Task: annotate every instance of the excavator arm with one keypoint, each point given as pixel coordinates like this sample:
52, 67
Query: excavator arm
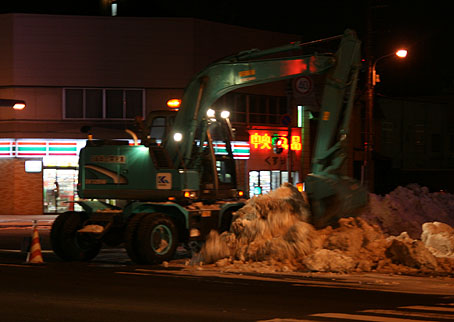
242, 70
331, 195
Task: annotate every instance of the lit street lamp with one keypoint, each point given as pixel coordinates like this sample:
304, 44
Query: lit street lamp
15, 104
401, 53
372, 79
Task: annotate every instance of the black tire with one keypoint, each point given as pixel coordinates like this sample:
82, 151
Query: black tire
226, 221
67, 243
157, 238
227, 218
130, 237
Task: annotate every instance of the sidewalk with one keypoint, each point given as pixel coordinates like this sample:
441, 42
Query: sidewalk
26, 220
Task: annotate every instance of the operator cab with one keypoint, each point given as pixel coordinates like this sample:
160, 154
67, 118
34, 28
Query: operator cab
156, 127
218, 171
211, 153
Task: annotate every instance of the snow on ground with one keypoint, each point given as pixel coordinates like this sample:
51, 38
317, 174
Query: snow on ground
408, 231
408, 208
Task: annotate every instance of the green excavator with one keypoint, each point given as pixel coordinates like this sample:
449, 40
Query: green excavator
175, 189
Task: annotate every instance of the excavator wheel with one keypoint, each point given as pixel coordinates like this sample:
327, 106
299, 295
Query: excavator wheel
67, 243
130, 238
226, 221
157, 238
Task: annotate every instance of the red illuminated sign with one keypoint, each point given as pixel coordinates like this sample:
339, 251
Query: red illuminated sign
264, 142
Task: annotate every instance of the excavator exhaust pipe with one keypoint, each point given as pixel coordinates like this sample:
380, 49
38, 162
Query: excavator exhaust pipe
333, 197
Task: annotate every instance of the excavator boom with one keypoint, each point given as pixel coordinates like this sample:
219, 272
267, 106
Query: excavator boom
331, 195
242, 70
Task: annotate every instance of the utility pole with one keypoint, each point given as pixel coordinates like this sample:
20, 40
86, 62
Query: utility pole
367, 171
289, 131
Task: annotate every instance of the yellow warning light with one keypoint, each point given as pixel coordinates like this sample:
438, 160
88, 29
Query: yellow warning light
240, 193
174, 103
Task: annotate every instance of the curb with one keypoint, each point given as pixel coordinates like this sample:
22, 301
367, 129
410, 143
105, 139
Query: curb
25, 221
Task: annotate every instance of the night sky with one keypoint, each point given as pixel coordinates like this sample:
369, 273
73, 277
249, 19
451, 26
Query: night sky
426, 28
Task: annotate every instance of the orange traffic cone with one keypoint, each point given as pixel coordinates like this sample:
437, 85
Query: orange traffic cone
34, 255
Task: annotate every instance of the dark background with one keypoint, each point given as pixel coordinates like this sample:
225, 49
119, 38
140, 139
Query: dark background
425, 28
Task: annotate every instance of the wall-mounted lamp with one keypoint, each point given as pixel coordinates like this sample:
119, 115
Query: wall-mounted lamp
16, 104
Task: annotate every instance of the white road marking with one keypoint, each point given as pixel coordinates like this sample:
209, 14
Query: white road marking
428, 308
414, 311
133, 273
19, 251
412, 314
360, 317
21, 265
286, 320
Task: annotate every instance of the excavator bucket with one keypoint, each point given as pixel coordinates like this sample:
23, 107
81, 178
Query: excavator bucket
333, 197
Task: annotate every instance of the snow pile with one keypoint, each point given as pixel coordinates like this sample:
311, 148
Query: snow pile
438, 238
271, 233
408, 208
269, 228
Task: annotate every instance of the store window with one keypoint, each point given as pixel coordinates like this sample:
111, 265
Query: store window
59, 190
262, 182
103, 103
60, 176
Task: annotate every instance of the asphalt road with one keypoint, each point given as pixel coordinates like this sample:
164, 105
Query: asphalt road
86, 292
111, 288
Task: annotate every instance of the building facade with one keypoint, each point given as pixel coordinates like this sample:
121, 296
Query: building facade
415, 142
82, 74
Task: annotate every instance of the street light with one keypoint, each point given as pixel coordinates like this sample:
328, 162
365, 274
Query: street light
15, 104
401, 53
372, 79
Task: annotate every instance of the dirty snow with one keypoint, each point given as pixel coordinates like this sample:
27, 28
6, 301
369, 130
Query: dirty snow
408, 208
408, 231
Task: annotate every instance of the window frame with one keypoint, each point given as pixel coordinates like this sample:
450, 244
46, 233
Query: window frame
243, 108
104, 110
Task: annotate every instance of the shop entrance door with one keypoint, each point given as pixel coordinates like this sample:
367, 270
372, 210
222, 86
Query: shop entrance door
60, 189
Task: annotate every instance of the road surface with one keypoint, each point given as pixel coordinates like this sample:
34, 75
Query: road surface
112, 288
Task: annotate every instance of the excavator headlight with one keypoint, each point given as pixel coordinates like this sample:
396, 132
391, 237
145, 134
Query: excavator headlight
225, 114
211, 113
178, 137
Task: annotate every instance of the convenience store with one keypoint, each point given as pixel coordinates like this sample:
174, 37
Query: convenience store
43, 173
48, 168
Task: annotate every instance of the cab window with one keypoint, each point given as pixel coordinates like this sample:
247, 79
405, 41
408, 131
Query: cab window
158, 129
